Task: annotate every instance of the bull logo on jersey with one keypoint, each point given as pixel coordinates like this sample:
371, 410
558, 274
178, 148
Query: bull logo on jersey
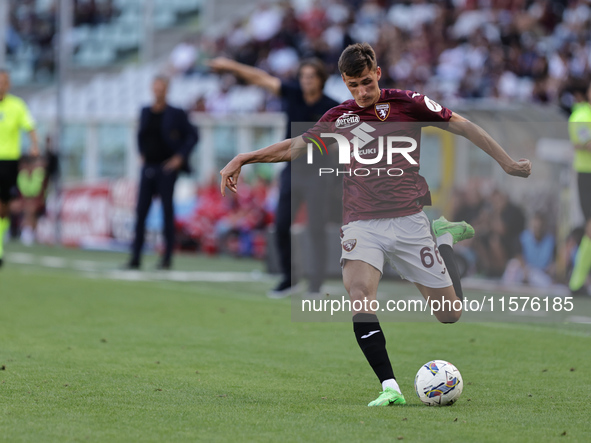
382, 110
349, 245
347, 120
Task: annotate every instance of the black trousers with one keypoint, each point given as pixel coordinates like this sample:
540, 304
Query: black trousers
8, 177
292, 193
584, 181
154, 181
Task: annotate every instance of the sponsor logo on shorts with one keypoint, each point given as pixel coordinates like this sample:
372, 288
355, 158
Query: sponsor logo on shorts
349, 245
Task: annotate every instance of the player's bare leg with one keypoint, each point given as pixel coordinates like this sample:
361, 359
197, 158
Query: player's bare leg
442, 301
361, 282
447, 234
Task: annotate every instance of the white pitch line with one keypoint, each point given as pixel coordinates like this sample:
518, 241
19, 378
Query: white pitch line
52, 262
95, 269
579, 319
21, 258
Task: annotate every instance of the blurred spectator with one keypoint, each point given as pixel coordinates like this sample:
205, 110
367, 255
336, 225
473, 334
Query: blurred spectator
93, 12
534, 264
236, 225
498, 229
219, 102
468, 204
182, 58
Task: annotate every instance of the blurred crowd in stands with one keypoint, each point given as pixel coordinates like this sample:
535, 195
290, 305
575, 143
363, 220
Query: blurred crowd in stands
524, 50
512, 50
509, 243
32, 27
235, 225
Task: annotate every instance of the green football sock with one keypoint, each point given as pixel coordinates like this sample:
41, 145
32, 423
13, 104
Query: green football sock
582, 265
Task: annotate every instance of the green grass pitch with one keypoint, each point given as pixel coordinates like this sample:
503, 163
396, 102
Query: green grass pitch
86, 358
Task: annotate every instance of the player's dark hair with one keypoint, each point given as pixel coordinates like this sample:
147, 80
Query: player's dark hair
357, 58
318, 67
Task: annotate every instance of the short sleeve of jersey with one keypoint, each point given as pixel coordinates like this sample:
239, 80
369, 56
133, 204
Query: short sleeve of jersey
26, 121
423, 109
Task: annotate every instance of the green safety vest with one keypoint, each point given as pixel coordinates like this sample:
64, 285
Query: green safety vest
579, 129
14, 118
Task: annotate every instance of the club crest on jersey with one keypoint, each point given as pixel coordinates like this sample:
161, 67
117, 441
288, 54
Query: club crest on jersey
349, 245
382, 110
347, 120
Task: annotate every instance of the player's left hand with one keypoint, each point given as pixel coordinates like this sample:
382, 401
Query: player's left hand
35, 151
520, 168
174, 163
230, 175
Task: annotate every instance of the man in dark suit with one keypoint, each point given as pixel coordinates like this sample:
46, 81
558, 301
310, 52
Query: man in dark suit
165, 140
303, 101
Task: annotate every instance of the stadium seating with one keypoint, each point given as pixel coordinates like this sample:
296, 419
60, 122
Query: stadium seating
96, 45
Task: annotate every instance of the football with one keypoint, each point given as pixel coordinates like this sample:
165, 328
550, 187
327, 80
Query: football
438, 383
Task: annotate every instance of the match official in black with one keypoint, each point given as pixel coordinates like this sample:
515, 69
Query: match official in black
166, 140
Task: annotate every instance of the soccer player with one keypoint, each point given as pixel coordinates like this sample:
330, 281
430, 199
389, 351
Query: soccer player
302, 102
14, 117
382, 216
580, 135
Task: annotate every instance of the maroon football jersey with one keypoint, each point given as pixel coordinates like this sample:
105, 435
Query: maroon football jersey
389, 186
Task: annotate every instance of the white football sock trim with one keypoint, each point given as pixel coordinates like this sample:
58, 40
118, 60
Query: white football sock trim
391, 383
445, 239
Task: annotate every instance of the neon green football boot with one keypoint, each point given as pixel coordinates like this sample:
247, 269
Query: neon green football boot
458, 230
388, 397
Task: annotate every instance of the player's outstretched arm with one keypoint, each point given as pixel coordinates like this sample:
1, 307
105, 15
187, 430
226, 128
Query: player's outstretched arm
251, 75
284, 151
464, 127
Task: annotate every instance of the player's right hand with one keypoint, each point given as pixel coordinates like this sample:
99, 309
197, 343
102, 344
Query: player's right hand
230, 175
520, 168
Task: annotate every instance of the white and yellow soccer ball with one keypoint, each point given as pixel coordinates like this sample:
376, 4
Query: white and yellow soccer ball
438, 383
